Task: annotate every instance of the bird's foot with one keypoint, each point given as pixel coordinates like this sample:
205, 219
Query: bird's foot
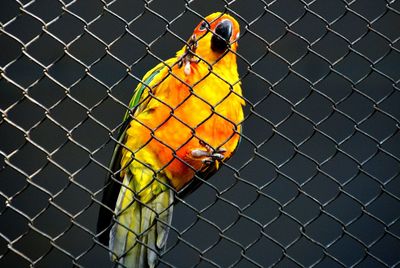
208, 155
189, 56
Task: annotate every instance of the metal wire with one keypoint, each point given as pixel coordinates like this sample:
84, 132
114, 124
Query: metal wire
315, 181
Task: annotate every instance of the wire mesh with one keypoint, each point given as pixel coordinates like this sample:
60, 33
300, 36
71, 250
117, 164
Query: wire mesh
315, 181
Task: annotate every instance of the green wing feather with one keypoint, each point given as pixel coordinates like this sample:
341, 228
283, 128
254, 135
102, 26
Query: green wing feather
139, 96
113, 184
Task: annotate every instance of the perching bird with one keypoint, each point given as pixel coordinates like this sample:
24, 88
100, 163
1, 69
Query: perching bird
185, 120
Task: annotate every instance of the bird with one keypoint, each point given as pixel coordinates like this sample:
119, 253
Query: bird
184, 120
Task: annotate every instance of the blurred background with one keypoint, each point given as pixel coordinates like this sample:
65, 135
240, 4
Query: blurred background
315, 181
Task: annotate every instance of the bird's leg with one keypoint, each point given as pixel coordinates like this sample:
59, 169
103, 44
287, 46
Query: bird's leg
208, 155
189, 56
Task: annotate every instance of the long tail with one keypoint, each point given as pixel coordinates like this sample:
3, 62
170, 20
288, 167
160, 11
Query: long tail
141, 225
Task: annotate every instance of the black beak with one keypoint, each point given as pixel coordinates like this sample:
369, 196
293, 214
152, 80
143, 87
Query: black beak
220, 40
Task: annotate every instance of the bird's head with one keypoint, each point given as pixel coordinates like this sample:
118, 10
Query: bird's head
214, 38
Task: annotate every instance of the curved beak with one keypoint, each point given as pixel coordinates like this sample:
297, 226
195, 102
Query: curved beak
221, 38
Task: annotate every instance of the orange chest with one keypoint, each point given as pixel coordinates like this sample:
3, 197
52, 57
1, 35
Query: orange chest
196, 119
184, 129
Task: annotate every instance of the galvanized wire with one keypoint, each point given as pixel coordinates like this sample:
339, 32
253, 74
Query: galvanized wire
315, 181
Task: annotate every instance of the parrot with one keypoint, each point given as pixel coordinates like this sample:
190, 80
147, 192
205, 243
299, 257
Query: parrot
184, 120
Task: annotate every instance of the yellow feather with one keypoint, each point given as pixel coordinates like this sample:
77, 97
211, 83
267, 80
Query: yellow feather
188, 102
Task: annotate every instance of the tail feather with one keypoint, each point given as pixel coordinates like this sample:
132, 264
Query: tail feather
140, 230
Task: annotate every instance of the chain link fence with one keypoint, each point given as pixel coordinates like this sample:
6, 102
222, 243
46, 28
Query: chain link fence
316, 178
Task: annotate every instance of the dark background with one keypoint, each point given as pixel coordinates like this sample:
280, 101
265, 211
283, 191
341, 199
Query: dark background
314, 182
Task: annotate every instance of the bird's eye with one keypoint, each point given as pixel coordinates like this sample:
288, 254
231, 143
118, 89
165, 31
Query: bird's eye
203, 26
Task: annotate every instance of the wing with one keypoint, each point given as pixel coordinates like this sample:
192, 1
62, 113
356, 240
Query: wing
113, 184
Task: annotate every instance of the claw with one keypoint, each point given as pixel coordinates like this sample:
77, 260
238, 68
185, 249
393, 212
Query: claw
207, 161
208, 147
221, 150
217, 156
209, 155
